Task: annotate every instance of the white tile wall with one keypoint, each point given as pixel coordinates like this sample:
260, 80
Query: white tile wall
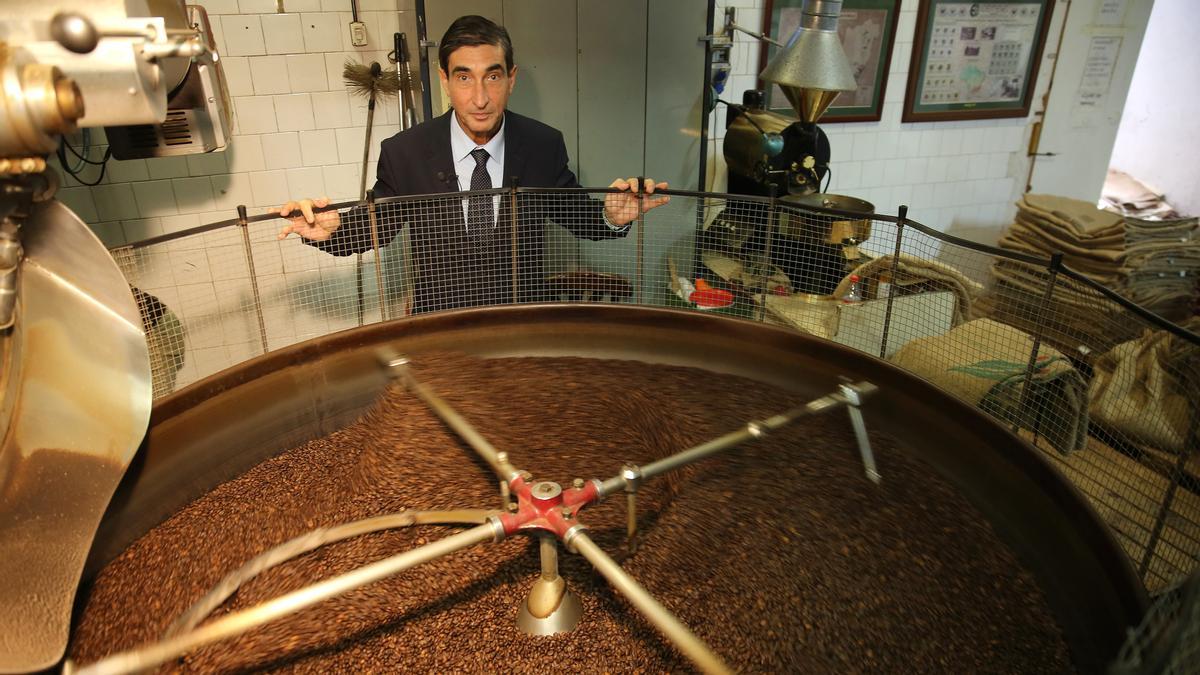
270, 74
322, 32
294, 112
207, 164
281, 151
306, 72
237, 75
167, 167
269, 188
331, 109
243, 35
951, 174
155, 198
255, 114
126, 171
281, 33
231, 190
318, 147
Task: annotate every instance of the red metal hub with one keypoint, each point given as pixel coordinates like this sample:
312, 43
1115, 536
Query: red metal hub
546, 506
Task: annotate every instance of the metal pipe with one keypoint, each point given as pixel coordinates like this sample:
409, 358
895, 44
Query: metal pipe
772, 214
311, 541
240, 622
371, 219
752, 34
495, 459
860, 432
641, 236
631, 520
512, 213
662, 619
887, 313
548, 548
752, 430
258, 311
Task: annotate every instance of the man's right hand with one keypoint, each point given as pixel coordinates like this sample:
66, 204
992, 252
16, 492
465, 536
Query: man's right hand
304, 221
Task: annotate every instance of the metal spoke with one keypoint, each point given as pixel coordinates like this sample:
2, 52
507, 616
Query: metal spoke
671, 628
752, 430
497, 460
240, 622
311, 541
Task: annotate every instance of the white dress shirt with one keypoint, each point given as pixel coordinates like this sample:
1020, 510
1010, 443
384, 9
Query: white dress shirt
461, 147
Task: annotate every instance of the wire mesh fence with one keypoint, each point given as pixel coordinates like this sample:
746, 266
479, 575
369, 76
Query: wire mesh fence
1104, 388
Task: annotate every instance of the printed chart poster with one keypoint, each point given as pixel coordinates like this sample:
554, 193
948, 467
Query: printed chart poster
977, 56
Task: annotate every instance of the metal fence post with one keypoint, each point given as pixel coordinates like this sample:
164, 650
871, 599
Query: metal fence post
358, 283
512, 218
766, 261
641, 235
1053, 268
371, 218
902, 213
244, 226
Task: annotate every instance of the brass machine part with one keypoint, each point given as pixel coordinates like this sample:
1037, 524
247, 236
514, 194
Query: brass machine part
39, 103
22, 165
829, 229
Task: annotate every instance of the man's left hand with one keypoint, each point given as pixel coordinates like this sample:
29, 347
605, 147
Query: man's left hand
622, 207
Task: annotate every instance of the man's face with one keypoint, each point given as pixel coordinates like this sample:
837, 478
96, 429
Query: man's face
479, 87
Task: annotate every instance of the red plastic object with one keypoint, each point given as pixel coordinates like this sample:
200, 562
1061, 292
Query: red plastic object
712, 298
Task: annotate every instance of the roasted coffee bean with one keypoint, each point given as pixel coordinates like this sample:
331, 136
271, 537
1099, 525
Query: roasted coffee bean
779, 554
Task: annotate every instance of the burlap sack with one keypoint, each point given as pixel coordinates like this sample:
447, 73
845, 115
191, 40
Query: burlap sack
1139, 389
983, 362
1083, 217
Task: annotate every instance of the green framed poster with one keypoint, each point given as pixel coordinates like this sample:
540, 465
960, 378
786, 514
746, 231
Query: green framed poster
867, 30
975, 59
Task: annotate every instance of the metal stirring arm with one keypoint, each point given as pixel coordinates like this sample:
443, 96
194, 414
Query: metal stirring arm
239, 622
628, 480
311, 541
672, 628
498, 461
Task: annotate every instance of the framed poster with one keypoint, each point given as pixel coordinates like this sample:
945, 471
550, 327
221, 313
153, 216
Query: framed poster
867, 29
975, 59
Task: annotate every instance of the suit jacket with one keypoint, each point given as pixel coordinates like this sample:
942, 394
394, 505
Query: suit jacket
453, 268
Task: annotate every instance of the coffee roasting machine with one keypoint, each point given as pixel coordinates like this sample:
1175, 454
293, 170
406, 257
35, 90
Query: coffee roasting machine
76, 394
773, 155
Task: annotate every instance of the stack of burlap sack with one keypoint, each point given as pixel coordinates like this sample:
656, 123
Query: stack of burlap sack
1162, 260
1099, 364
1092, 243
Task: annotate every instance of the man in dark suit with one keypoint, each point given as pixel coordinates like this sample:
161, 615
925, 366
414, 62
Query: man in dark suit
470, 251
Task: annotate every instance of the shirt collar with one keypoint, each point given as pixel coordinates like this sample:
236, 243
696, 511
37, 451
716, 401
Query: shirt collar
461, 145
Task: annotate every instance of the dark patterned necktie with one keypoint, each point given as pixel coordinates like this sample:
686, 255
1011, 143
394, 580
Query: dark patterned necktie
479, 207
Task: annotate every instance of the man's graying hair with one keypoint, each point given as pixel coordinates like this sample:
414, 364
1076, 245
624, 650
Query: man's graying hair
472, 31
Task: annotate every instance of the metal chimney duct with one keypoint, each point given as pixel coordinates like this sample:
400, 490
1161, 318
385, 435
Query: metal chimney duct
812, 69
